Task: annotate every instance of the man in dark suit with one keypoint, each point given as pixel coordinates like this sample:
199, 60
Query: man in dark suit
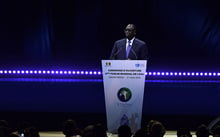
129, 48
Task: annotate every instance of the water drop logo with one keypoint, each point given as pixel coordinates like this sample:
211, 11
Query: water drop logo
124, 94
137, 65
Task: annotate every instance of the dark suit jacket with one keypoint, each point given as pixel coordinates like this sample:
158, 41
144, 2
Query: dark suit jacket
139, 50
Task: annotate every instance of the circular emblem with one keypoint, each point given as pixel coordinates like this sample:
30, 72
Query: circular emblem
124, 94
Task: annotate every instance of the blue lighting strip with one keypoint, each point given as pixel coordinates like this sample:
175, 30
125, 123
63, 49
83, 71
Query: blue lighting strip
100, 80
48, 72
183, 74
98, 73
48, 80
96, 76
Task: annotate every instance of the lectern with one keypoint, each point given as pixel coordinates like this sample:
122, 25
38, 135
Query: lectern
124, 82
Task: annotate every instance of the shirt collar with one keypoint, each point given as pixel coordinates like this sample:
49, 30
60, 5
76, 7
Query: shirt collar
131, 41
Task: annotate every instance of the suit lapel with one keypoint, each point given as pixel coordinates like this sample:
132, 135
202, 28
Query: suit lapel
133, 49
124, 49
134, 43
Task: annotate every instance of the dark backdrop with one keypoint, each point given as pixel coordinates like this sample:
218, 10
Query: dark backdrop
181, 34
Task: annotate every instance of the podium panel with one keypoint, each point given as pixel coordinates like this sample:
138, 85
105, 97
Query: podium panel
124, 90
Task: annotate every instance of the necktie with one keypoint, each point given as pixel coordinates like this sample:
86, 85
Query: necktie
128, 49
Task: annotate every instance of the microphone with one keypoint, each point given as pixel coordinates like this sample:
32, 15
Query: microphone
134, 53
116, 53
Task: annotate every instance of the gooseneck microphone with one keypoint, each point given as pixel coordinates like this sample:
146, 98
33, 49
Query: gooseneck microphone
134, 53
116, 53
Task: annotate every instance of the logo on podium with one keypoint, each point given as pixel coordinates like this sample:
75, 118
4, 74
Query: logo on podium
124, 94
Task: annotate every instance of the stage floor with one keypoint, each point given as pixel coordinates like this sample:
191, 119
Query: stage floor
60, 134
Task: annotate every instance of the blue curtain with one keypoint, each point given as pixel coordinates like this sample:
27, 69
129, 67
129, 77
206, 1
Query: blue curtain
82, 32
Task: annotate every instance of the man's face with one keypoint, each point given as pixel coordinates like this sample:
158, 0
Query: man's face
130, 31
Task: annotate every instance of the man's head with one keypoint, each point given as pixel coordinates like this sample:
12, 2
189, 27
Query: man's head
130, 31
124, 131
216, 131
